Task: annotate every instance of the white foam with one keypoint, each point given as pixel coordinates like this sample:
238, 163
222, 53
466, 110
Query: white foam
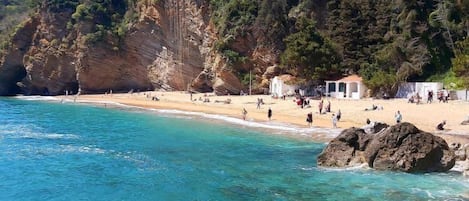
459, 166
81, 149
38, 98
27, 131
362, 166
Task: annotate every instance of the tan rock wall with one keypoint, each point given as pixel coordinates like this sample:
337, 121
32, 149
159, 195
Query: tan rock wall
169, 47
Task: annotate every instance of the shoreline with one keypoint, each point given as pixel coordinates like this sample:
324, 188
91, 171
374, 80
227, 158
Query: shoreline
286, 113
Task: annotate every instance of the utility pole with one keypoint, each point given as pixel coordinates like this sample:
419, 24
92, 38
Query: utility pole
250, 81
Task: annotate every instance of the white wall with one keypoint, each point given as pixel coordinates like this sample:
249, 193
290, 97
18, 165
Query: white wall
423, 87
410, 88
279, 88
461, 95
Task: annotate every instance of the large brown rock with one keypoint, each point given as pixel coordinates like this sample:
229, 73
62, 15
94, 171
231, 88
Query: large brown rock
226, 83
402, 147
12, 69
406, 148
346, 149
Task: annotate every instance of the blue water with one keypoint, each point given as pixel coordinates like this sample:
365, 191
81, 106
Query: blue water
54, 151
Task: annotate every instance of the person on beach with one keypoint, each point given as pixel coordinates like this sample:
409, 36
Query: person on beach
441, 125
320, 106
269, 113
245, 112
444, 95
328, 106
418, 98
398, 117
338, 115
430, 96
309, 119
373, 107
334, 121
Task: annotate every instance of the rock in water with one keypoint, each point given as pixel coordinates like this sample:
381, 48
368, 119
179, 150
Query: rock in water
346, 149
405, 148
402, 147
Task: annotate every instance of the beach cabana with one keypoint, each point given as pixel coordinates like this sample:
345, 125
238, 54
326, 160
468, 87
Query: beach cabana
350, 87
282, 85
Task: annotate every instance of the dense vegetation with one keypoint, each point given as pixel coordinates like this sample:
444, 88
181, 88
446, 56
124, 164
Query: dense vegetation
386, 42
12, 13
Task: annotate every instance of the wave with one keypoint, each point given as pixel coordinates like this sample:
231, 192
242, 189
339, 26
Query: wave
37, 98
141, 161
31, 132
362, 166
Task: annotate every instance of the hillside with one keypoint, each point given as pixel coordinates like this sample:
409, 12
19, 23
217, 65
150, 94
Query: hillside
93, 46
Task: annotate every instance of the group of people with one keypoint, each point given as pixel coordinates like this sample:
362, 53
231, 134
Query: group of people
442, 95
321, 107
309, 116
302, 102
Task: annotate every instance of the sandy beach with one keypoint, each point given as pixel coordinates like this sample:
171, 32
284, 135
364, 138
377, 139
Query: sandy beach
424, 116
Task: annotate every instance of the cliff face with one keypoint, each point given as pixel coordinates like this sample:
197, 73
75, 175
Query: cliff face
169, 47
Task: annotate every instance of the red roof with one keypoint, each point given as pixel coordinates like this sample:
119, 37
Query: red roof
351, 78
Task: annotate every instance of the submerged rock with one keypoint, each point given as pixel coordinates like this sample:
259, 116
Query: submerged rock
402, 147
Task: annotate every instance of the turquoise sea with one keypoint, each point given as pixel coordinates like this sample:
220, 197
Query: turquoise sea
68, 151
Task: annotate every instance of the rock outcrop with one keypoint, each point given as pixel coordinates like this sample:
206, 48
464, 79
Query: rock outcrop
401, 147
345, 150
170, 46
462, 156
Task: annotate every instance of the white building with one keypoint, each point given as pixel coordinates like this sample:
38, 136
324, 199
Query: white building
350, 87
281, 85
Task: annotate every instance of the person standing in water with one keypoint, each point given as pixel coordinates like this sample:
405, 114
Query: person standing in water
269, 113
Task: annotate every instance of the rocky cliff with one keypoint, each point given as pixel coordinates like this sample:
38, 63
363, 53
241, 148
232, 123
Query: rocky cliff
168, 47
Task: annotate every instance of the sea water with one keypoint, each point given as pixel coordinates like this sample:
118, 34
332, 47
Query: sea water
68, 151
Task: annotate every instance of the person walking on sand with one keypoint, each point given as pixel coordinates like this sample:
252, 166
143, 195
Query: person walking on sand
339, 115
328, 106
245, 112
320, 106
309, 119
269, 113
334, 121
398, 117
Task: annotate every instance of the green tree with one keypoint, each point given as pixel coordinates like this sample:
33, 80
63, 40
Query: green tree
461, 62
308, 54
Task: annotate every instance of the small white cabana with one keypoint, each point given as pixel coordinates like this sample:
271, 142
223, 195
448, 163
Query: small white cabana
280, 85
350, 87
